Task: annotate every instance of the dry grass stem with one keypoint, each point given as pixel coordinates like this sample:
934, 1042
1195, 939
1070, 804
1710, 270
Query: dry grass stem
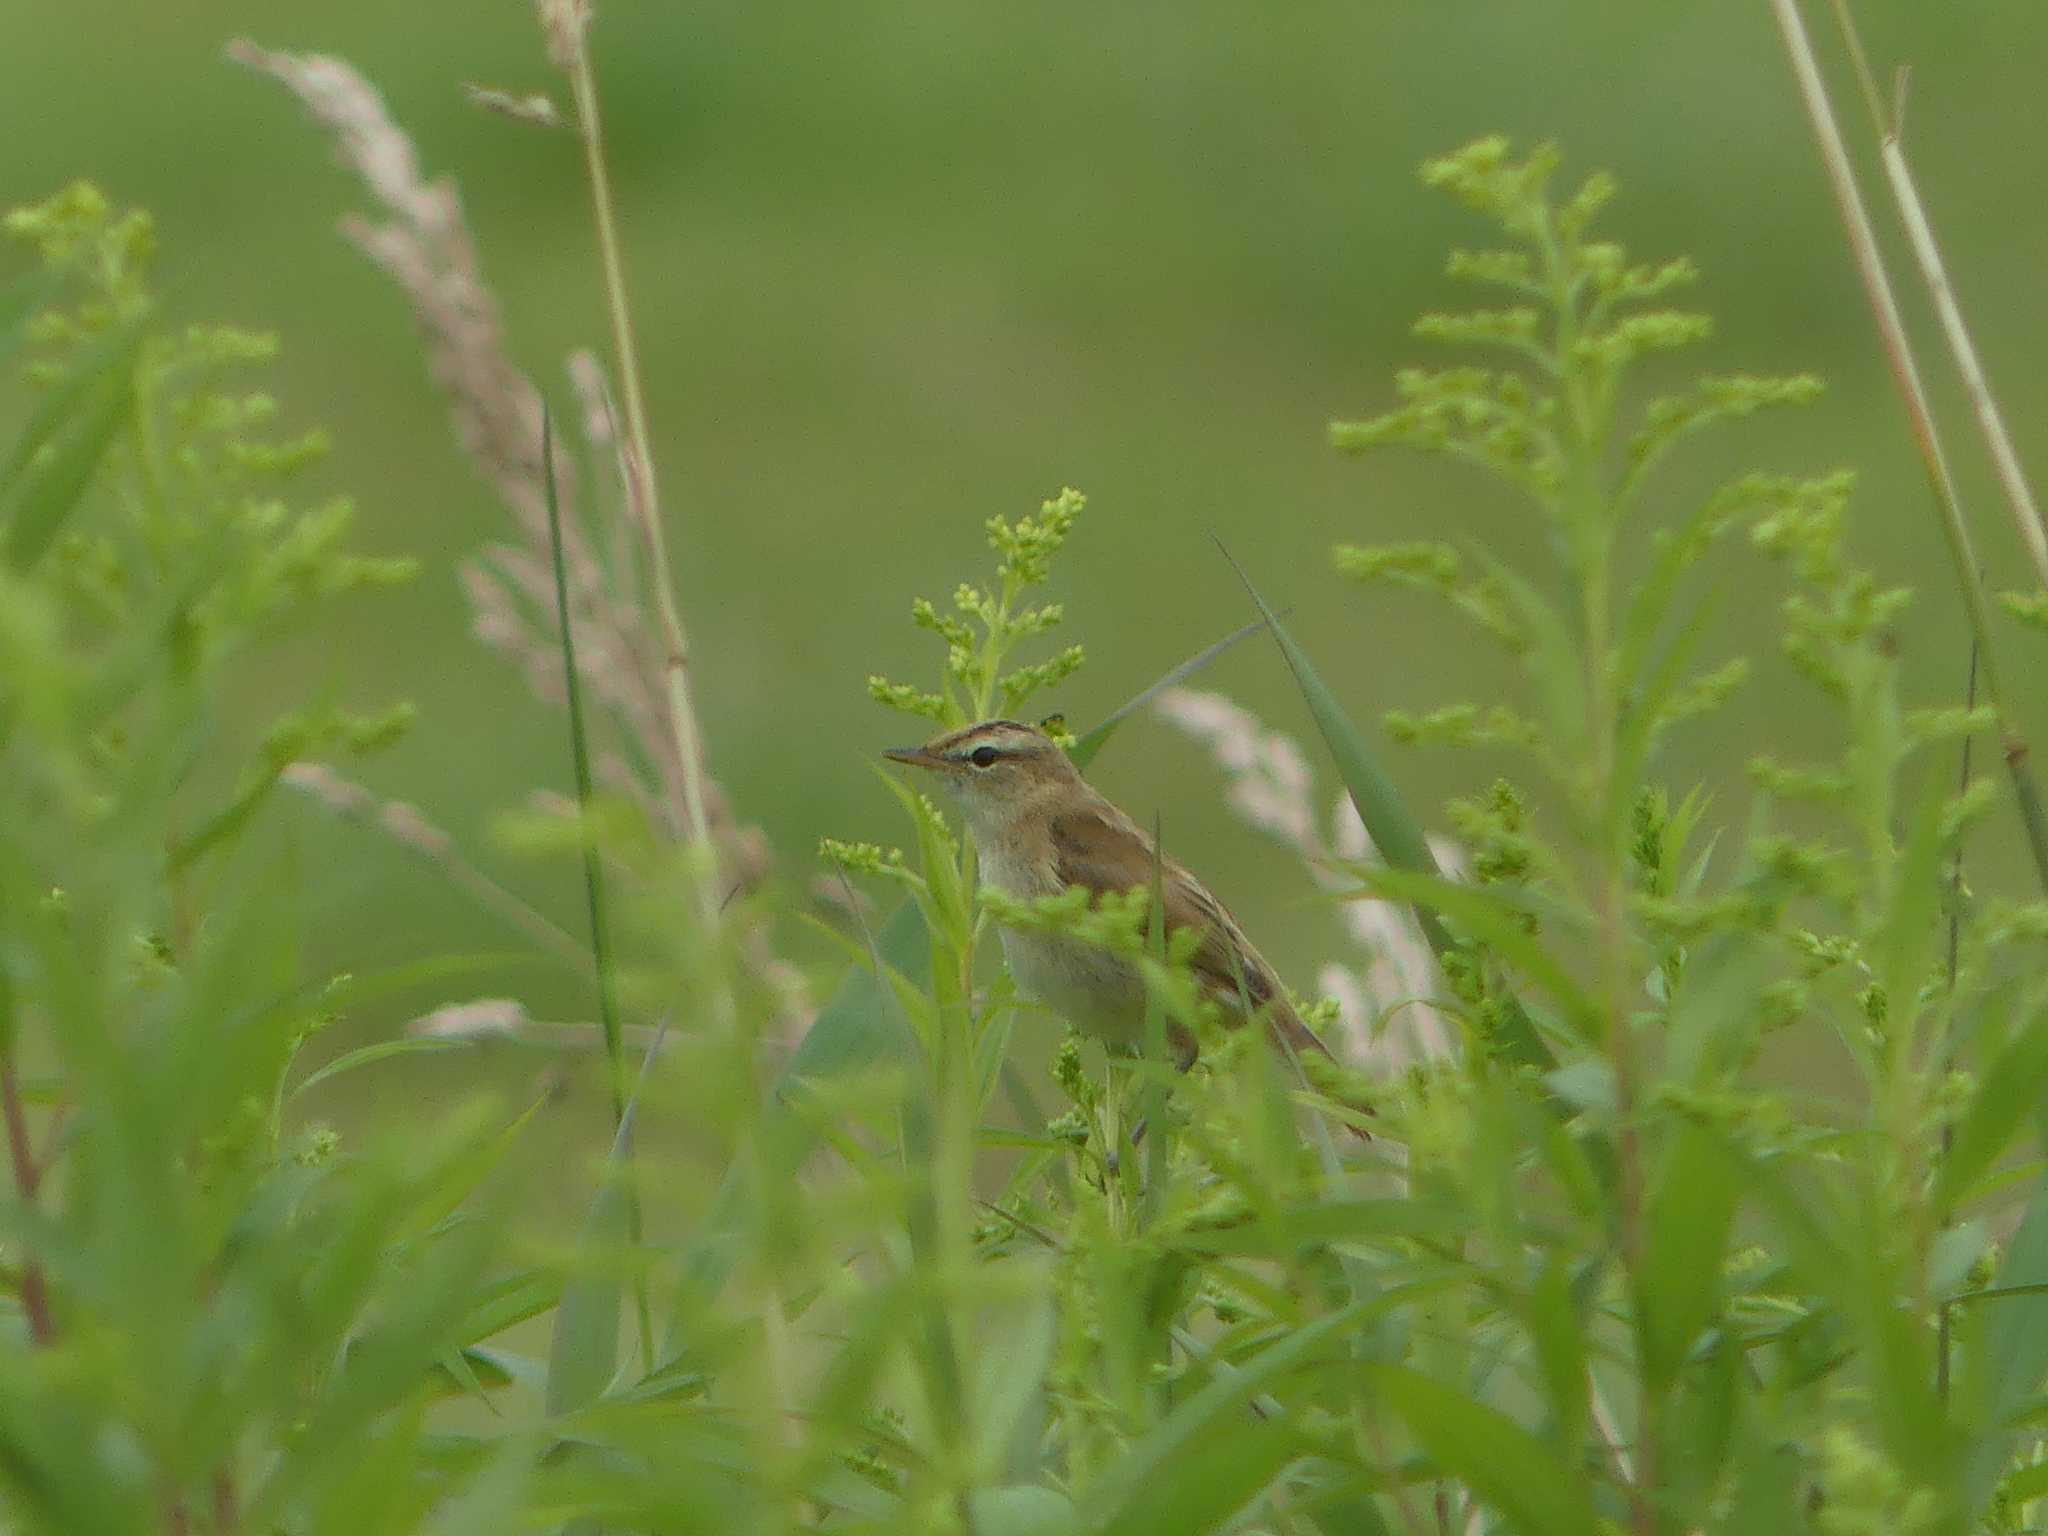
1906, 375
2005, 459
566, 24
633, 667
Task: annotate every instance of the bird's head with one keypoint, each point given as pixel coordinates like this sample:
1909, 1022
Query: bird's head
996, 770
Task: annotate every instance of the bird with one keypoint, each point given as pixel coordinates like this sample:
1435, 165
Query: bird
1040, 829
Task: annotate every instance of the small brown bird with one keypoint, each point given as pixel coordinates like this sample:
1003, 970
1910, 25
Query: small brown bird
1039, 830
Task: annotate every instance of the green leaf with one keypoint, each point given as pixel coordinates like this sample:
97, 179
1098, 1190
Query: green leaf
1197, 1433
106, 365
1497, 927
1500, 1460
1394, 830
1023, 1509
1558, 1332
493, 1502
857, 1030
53, 461
18, 304
2012, 1347
1329, 1221
1552, 659
40, 500
1678, 1283
1216, 1475
584, 1352
1714, 1016
1009, 1379
2011, 1088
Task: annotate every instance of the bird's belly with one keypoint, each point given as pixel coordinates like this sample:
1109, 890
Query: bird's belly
1100, 993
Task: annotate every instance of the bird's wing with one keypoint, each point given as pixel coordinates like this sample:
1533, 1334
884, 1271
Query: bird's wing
1104, 850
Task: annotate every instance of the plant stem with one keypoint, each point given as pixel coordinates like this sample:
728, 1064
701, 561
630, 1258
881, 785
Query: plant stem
1943, 1320
2012, 477
1906, 376
642, 491
28, 1177
1591, 517
593, 867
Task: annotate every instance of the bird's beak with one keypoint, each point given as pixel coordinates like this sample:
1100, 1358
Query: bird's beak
916, 757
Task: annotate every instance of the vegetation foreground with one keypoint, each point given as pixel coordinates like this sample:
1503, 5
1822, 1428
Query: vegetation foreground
1599, 1266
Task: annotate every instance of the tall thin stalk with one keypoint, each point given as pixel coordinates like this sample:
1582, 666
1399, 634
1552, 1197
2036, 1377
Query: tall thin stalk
2005, 459
568, 38
1926, 436
593, 873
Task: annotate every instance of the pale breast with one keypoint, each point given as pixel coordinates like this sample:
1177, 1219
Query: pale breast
1098, 993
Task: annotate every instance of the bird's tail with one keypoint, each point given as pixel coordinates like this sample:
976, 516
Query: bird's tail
1297, 1042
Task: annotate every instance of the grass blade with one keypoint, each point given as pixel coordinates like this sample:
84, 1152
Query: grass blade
584, 1350
1394, 829
383, 1050
593, 873
1085, 749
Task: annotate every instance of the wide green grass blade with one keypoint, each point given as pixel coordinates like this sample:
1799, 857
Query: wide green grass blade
1394, 829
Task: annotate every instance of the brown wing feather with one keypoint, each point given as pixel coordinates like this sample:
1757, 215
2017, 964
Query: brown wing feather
1101, 848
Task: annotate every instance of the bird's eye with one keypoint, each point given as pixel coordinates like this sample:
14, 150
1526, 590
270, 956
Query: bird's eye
981, 757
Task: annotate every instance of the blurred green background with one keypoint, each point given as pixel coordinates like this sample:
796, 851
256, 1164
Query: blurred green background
898, 266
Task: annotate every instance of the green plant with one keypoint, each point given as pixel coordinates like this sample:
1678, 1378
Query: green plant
215, 1314
1645, 1360
1604, 1266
